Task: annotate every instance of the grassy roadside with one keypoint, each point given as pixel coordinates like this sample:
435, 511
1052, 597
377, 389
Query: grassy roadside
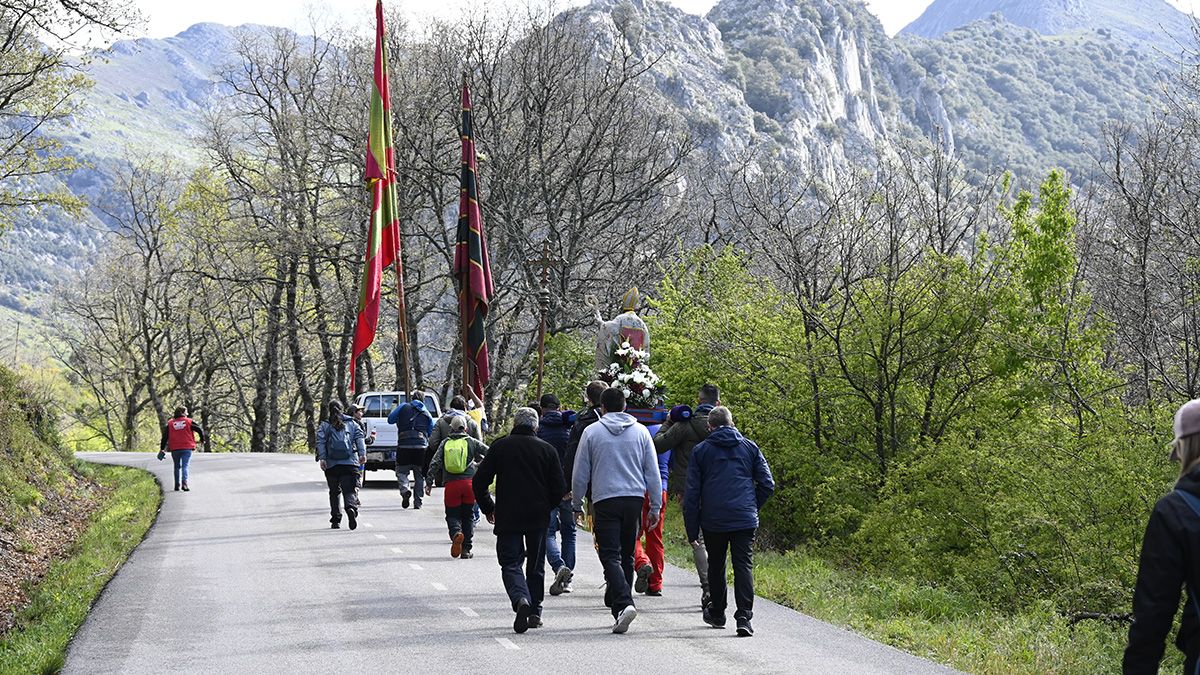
947, 627
61, 601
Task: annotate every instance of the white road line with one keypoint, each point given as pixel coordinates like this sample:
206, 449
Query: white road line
381, 536
396, 550
415, 566
506, 643
368, 525
469, 612
438, 587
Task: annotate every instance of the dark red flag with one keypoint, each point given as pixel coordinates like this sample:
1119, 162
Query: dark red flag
472, 268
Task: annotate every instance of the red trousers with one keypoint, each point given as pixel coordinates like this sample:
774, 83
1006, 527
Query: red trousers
652, 553
458, 492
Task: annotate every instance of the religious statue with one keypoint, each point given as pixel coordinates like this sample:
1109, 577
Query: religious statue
625, 327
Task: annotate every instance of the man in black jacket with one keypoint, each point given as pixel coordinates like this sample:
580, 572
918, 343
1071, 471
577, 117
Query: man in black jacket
529, 482
1170, 562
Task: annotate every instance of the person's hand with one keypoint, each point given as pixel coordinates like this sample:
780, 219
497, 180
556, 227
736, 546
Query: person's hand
323, 466
428, 490
491, 518
652, 520
695, 543
580, 519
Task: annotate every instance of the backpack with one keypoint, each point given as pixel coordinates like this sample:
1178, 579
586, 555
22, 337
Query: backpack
456, 454
337, 444
1194, 502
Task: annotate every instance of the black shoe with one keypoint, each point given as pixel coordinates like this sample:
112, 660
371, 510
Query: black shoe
466, 554
705, 598
353, 516
521, 624
713, 619
177, 487
655, 592
535, 621
185, 487
643, 578
404, 497
744, 629
416, 504
335, 526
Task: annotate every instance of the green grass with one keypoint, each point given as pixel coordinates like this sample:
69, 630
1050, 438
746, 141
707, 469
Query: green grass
59, 604
945, 626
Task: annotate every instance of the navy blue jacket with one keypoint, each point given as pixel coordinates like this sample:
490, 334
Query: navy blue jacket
414, 424
728, 482
553, 430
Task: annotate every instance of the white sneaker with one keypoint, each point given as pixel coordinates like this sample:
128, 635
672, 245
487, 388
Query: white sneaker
562, 579
625, 618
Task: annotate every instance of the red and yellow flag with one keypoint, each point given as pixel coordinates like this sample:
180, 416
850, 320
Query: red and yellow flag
472, 268
383, 231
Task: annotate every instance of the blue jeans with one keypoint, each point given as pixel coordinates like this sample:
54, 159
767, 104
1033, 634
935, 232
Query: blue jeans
181, 458
562, 519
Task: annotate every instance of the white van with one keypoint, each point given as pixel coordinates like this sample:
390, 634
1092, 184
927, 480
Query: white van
381, 454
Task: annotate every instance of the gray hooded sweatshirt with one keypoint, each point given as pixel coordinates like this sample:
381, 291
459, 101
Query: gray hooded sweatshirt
616, 458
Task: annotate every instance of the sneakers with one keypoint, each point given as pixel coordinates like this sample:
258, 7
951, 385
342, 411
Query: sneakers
416, 506
654, 592
353, 516
643, 578
561, 579
521, 624
535, 621
405, 495
714, 619
744, 629
335, 526
624, 618
466, 554
456, 548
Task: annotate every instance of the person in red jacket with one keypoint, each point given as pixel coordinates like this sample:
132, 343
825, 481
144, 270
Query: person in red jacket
179, 437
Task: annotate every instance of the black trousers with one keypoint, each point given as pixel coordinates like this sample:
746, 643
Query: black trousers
342, 479
617, 520
462, 519
525, 550
740, 544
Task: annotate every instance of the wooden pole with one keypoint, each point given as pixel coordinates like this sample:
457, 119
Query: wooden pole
543, 302
402, 324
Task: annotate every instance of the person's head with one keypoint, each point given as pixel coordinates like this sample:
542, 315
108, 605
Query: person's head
181, 411
458, 424
593, 392
1185, 449
417, 396
720, 417
356, 411
335, 415
709, 394
549, 402
536, 407
525, 417
613, 400
458, 403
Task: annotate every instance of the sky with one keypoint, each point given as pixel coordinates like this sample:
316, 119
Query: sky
169, 17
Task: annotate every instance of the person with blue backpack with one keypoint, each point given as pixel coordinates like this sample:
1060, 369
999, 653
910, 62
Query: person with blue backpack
554, 429
414, 425
453, 464
341, 449
1170, 562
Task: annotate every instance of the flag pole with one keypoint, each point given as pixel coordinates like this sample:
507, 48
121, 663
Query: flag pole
468, 390
402, 324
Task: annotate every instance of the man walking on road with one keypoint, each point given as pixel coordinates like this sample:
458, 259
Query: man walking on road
529, 482
728, 482
616, 460
341, 450
454, 465
414, 424
553, 429
179, 437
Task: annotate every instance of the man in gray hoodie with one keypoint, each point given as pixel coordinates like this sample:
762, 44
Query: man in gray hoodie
617, 461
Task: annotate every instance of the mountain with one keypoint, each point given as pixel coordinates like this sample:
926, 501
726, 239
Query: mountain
1023, 85
1151, 23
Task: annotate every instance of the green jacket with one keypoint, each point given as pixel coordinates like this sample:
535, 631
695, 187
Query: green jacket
683, 436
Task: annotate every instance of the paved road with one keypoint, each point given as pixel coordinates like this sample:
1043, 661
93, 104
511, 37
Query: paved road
243, 574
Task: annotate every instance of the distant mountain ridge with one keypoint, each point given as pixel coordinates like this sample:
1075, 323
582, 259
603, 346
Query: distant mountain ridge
1150, 22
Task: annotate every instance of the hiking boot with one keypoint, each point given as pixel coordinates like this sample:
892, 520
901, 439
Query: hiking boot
643, 578
624, 618
714, 619
456, 548
353, 516
654, 592
535, 621
405, 495
521, 623
744, 629
466, 554
561, 578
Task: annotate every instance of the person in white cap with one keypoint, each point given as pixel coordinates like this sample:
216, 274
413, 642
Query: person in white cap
1170, 561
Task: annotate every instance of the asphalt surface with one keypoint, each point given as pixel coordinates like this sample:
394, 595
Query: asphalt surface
243, 575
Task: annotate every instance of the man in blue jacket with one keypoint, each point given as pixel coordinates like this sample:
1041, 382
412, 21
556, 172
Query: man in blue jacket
728, 482
414, 424
553, 429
